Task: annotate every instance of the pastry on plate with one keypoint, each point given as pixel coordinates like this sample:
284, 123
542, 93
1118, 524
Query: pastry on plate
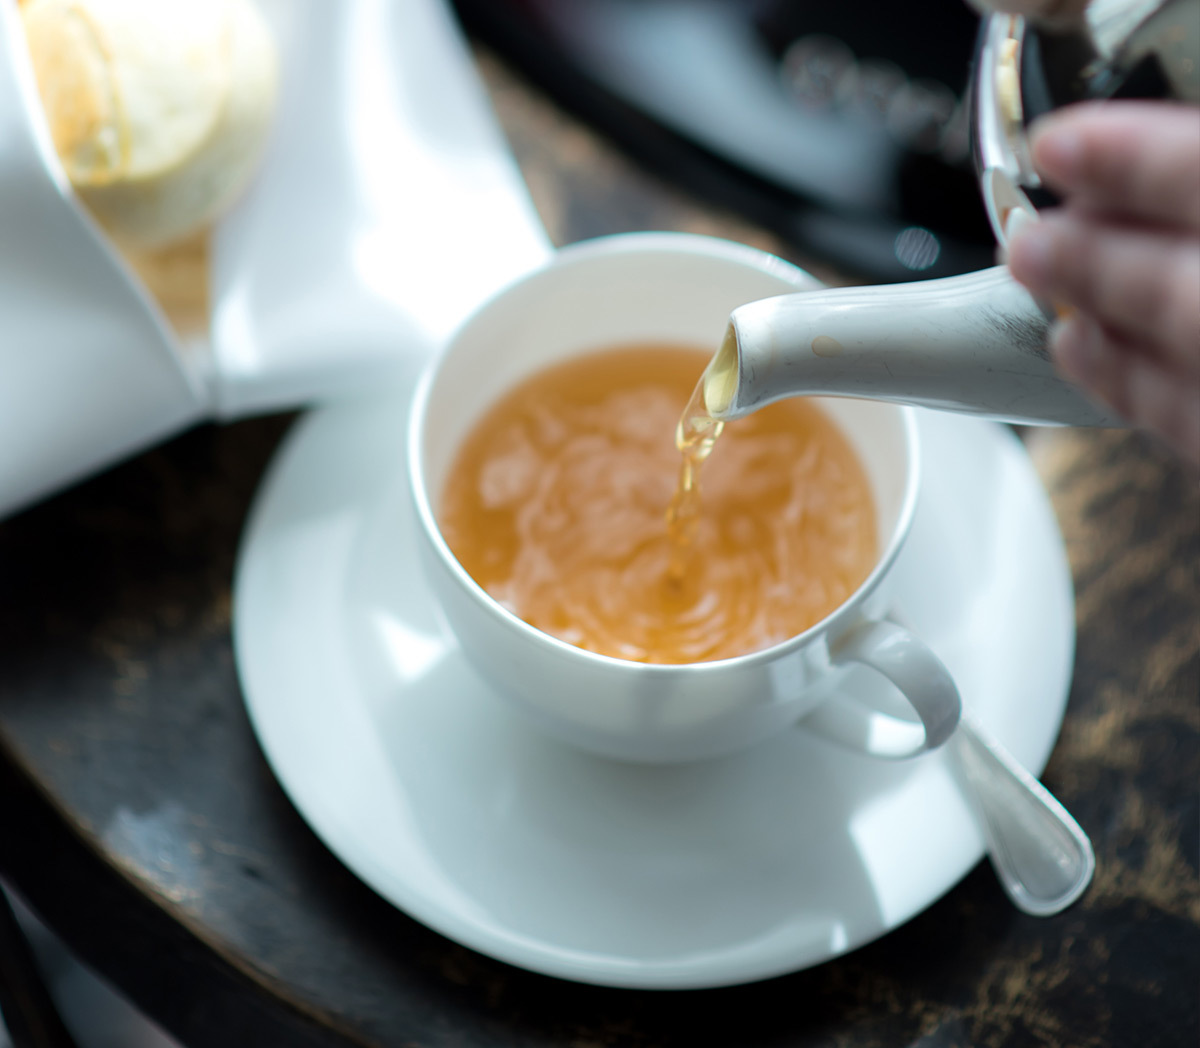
158, 110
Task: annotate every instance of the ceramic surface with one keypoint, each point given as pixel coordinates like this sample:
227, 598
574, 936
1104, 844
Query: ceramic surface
89, 370
387, 206
718, 872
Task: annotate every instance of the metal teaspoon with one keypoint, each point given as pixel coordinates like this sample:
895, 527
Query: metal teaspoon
1042, 856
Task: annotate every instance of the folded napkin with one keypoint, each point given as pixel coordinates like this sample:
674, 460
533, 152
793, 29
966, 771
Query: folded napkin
385, 209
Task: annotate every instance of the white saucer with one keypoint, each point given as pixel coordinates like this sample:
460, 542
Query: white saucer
426, 786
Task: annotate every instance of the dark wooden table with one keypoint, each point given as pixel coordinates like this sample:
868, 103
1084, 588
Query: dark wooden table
139, 818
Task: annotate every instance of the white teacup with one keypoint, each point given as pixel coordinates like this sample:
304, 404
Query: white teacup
676, 288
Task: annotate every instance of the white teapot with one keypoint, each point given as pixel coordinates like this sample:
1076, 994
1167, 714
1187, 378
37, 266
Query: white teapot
974, 343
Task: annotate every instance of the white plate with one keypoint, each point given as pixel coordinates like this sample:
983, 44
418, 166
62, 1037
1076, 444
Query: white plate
446, 803
341, 267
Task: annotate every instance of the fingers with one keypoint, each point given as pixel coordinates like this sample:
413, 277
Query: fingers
1131, 159
1137, 387
1142, 283
1124, 253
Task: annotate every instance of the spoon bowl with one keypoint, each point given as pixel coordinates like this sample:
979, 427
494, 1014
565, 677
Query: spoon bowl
1040, 853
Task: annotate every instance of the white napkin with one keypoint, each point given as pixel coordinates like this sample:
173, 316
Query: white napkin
387, 207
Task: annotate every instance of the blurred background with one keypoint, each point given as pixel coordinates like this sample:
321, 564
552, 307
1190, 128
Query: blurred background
94, 1014
841, 126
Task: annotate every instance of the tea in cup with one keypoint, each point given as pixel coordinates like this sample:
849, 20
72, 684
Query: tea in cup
542, 464
569, 504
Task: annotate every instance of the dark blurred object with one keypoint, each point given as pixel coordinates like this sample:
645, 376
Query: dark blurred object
839, 125
1024, 69
26, 1006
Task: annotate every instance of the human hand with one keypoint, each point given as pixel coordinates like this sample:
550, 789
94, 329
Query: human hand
1121, 258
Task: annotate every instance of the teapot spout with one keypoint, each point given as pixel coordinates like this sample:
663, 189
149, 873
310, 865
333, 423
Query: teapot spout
974, 344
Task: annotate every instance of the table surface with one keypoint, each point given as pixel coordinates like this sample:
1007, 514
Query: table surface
138, 816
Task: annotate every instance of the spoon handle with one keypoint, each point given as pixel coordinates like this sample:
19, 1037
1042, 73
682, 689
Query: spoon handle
1043, 858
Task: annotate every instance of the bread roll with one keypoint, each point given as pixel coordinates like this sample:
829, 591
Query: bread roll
158, 109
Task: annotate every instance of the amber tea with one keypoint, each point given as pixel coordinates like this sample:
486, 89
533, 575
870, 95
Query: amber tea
569, 504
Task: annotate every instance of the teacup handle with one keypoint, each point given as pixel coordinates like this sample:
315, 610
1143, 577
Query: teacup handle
920, 677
